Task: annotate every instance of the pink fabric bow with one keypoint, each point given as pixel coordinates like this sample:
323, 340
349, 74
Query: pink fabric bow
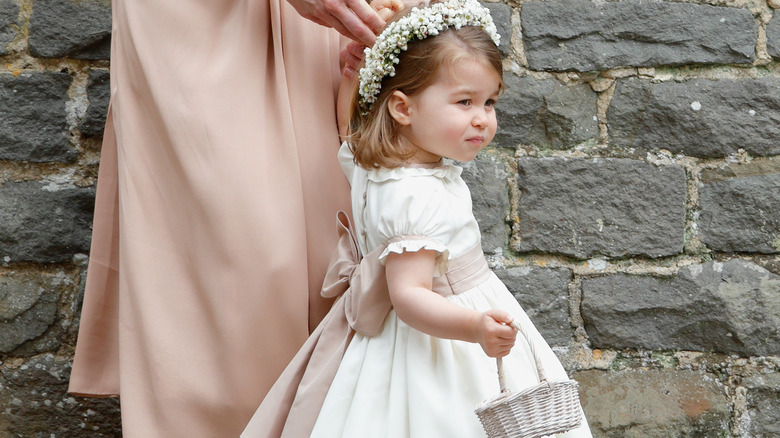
361, 279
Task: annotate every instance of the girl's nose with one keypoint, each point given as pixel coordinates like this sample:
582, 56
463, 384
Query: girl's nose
480, 118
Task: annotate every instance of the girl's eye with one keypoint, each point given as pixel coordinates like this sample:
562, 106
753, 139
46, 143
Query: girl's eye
464, 102
490, 102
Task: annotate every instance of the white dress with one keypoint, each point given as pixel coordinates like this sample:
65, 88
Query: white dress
402, 382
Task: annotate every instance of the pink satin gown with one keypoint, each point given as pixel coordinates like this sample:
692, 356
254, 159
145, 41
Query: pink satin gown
215, 214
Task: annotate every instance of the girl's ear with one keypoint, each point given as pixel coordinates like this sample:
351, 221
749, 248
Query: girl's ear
399, 106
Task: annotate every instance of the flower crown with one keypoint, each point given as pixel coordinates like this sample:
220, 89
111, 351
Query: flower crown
419, 24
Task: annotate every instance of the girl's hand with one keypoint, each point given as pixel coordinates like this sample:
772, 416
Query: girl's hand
493, 332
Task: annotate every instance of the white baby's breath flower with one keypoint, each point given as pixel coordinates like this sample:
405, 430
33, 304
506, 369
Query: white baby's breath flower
380, 59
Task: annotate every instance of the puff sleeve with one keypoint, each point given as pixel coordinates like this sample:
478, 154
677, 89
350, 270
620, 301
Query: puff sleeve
414, 213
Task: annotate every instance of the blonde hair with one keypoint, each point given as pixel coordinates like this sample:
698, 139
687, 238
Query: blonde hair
374, 137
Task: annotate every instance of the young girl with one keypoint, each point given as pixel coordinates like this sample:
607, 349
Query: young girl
427, 92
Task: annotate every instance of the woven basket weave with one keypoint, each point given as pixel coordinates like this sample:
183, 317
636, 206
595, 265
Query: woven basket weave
545, 409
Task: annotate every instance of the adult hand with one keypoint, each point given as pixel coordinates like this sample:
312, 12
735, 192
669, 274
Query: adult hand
354, 19
350, 59
352, 54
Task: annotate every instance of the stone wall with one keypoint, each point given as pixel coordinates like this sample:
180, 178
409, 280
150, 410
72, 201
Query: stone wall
631, 202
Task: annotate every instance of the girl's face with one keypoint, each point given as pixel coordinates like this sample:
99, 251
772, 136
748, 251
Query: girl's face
454, 117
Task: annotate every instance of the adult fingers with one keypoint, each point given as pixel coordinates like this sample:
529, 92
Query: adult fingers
368, 16
356, 49
350, 72
351, 58
335, 23
351, 69
349, 18
386, 8
328, 13
318, 21
352, 54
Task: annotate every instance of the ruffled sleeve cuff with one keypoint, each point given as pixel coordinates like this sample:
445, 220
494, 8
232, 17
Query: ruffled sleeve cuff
416, 243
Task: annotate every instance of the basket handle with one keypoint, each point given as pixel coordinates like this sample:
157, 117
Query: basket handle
532, 347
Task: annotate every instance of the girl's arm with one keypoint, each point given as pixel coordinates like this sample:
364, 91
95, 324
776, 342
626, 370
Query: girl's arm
409, 280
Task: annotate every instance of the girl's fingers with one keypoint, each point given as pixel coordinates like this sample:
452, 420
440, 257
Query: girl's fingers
500, 316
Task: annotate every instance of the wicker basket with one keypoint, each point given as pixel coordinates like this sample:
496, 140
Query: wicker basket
545, 409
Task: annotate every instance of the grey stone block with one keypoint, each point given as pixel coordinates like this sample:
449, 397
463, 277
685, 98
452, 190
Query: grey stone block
773, 37
545, 113
486, 179
609, 207
544, 295
731, 307
28, 307
763, 392
9, 20
655, 403
583, 35
98, 93
701, 118
502, 17
36, 403
71, 29
33, 125
44, 224
741, 214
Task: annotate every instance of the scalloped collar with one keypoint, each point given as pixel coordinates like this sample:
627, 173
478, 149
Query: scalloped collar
442, 170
